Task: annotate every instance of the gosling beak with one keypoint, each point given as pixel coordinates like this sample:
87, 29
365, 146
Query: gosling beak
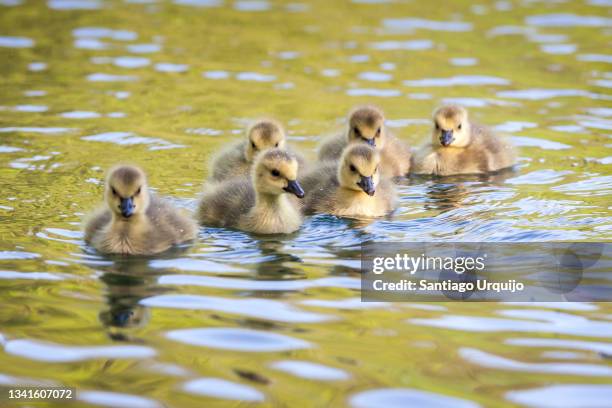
447, 137
367, 185
371, 142
127, 207
294, 187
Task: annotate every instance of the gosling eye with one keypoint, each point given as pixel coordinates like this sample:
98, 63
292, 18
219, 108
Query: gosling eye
114, 191
276, 145
138, 191
253, 145
275, 173
437, 126
353, 169
378, 132
459, 126
357, 132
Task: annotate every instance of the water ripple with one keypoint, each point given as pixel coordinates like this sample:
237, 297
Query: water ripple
599, 348
44, 130
524, 141
402, 45
131, 62
459, 80
29, 275
384, 93
568, 20
553, 324
423, 24
102, 77
199, 3
255, 76
170, 67
488, 360
548, 176
564, 396
75, 4
310, 371
116, 399
237, 339
405, 397
16, 42
258, 308
128, 138
194, 265
536, 94
594, 186
251, 5
6, 255
261, 285
223, 389
59, 353
103, 32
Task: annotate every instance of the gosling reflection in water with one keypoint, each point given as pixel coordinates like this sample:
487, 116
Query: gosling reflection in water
128, 281
449, 193
276, 263
446, 197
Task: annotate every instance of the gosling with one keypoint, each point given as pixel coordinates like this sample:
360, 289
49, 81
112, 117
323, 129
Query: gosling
367, 125
351, 188
237, 159
262, 204
459, 146
133, 221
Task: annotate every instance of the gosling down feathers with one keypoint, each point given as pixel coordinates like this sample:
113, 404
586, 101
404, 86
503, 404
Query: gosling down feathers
236, 160
459, 146
133, 221
263, 204
367, 125
353, 187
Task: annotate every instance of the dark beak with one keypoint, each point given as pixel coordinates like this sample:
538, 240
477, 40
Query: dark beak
367, 185
371, 142
127, 207
294, 187
447, 137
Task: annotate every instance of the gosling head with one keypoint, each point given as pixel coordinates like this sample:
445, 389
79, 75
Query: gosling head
126, 191
367, 125
358, 168
262, 135
451, 127
275, 172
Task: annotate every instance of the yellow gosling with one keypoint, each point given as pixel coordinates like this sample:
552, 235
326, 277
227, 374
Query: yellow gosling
263, 204
353, 187
236, 160
367, 125
133, 221
459, 146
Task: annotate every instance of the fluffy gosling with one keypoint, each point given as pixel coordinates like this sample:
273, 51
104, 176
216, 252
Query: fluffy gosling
353, 187
459, 146
367, 125
236, 160
133, 221
262, 204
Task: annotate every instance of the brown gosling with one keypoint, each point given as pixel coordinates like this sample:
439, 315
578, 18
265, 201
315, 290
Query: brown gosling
133, 221
367, 125
459, 146
353, 187
263, 204
236, 160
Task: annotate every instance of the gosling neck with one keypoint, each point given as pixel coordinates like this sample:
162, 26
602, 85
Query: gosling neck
134, 219
357, 194
269, 200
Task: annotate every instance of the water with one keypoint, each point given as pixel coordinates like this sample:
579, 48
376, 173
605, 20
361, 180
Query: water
277, 320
